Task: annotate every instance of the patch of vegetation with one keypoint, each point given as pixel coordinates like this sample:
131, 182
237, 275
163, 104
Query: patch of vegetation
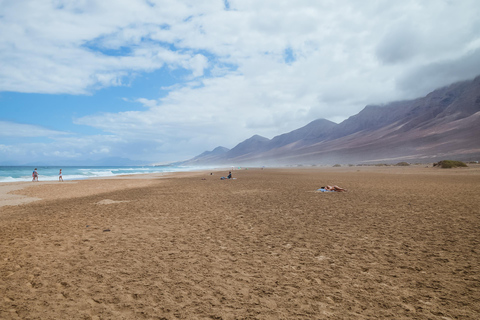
403, 164
337, 165
446, 164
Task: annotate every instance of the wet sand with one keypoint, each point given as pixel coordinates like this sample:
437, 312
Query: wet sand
402, 243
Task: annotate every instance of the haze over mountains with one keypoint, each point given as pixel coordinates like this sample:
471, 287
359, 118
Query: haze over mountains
445, 124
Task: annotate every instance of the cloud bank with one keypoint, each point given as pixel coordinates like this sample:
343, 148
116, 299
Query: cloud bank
249, 67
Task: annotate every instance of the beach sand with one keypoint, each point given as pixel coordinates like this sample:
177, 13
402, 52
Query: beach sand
402, 243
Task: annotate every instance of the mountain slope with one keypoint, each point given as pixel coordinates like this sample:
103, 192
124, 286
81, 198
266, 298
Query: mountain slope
316, 130
248, 147
213, 156
444, 123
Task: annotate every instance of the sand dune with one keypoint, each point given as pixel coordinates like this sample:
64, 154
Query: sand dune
402, 243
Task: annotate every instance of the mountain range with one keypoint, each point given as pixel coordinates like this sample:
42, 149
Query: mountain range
445, 124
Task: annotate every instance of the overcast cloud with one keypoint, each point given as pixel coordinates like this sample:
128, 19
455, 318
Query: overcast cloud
250, 67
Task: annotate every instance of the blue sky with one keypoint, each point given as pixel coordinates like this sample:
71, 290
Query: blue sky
160, 81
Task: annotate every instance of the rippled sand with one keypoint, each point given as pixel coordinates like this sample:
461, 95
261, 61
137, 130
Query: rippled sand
402, 243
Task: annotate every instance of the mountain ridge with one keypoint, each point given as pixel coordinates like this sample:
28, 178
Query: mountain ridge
444, 123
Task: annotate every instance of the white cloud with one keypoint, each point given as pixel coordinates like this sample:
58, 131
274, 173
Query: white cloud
5, 148
439, 73
61, 154
341, 56
70, 148
56, 47
11, 129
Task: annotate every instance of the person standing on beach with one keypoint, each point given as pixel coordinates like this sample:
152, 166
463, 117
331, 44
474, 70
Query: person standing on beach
35, 175
60, 177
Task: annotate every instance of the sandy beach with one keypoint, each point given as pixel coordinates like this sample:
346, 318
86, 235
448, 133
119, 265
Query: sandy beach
402, 243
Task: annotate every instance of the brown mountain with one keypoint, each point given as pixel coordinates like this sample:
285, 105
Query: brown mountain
443, 124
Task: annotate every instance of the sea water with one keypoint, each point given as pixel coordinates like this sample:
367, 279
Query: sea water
50, 173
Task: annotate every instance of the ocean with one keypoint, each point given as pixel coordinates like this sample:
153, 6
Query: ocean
50, 173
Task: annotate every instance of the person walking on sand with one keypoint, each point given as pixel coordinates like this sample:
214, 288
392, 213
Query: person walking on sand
35, 175
60, 177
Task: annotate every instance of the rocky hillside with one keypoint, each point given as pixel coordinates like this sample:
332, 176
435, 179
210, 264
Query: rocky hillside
443, 124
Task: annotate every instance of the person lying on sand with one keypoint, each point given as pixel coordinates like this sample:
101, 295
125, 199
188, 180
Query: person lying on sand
333, 188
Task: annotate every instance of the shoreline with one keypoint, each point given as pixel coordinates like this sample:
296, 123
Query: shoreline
17, 193
88, 172
24, 192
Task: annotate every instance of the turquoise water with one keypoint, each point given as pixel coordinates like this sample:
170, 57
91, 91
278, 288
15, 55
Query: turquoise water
46, 173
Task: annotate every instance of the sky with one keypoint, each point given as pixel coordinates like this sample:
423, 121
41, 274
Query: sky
157, 81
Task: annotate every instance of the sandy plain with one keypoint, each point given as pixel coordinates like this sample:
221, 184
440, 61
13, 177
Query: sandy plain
402, 243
